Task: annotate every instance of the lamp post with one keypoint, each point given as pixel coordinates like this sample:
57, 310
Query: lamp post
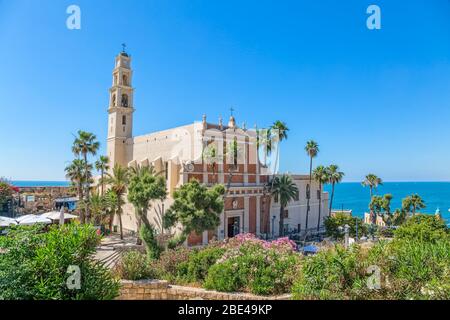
346, 232
345, 229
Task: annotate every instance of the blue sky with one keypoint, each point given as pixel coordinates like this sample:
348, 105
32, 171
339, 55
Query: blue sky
375, 100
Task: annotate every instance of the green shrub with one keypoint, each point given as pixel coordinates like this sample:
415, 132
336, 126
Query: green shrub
335, 273
385, 232
415, 269
17, 251
166, 267
33, 264
148, 235
428, 228
194, 270
176, 241
134, 265
254, 268
333, 223
414, 265
224, 277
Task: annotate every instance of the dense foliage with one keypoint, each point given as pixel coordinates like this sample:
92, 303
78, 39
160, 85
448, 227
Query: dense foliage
5, 193
196, 207
243, 264
255, 266
340, 219
336, 273
34, 264
414, 265
145, 186
134, 265
424, 228
148, 234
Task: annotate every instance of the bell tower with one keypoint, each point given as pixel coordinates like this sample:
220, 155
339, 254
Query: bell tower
120, 110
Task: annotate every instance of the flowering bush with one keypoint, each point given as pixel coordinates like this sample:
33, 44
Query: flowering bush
166, 267
195, 268
245, 238
244, 263
254, 265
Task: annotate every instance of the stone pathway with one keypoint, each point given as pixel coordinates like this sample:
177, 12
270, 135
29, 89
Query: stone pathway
111, 248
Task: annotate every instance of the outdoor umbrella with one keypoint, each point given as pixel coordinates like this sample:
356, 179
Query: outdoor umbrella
56, 215
6, 222
27, 216
33, 219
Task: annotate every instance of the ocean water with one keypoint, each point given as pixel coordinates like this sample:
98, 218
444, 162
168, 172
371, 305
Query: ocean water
40, 183
352, 195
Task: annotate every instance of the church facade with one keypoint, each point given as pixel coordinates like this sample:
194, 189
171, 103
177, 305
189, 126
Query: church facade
211, 153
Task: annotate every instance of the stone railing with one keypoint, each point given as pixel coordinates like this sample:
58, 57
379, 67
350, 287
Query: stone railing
162, 290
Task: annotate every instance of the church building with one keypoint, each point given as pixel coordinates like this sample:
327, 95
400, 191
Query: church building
211, 153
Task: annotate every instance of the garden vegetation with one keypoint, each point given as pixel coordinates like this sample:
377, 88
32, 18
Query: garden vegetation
34, 264
415, 264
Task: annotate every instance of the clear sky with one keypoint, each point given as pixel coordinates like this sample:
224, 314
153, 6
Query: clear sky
375, 100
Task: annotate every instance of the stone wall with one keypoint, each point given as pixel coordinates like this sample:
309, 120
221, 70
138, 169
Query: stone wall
162, 290
44, 198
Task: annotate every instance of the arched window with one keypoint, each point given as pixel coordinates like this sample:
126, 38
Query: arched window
124, 120
125, 80
114, 100
124, 101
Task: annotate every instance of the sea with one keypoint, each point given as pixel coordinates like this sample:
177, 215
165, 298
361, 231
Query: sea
23, 184
352, 195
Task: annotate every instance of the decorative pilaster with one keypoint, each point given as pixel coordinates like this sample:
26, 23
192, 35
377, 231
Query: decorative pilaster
246, 226
258, 215
205, 238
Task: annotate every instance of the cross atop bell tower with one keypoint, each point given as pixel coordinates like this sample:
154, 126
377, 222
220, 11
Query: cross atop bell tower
120, 110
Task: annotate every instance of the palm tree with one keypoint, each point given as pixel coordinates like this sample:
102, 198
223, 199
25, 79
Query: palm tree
118, 181
375, 206
399, 217
280, 129
102, 165
97, 206
312, 149
263, 138
75, 172
112, 203
372, 181
285, 190
413, 203
388, 217
86, 143
320, 175
335, 176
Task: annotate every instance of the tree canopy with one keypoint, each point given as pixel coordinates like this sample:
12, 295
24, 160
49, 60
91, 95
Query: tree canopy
196, 207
